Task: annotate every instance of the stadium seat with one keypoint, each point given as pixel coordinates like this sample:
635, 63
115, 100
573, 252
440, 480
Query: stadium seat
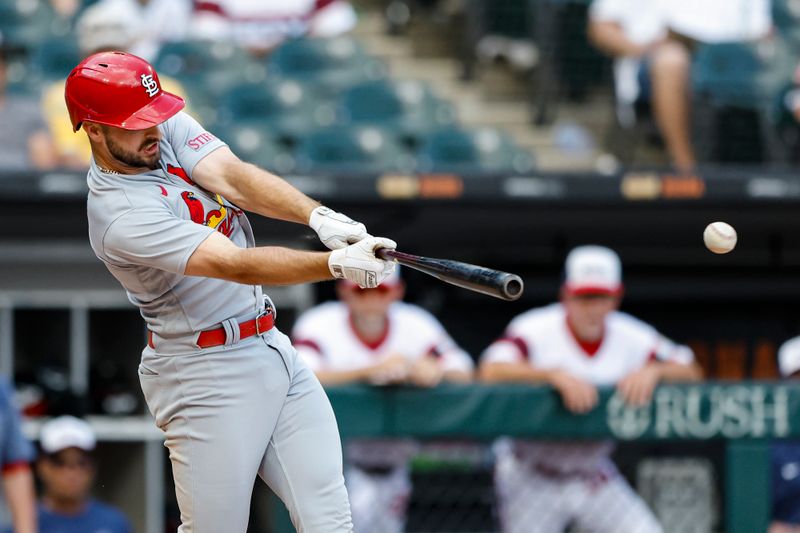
290, 109
25, 24
741, 77
356, 150
478, 151
408, 108
55, 57
257, 145
207, 69
785, 14
331, 64
743, 73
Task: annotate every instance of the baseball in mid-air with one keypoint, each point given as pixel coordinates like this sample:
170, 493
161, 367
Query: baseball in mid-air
719, 237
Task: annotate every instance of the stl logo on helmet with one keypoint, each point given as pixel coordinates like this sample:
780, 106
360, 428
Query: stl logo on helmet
150, 85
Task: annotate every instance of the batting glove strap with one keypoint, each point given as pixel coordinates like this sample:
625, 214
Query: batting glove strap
336, 230
357, 262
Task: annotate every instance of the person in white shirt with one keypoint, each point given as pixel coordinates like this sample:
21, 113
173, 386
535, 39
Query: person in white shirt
652, 41
371, 336
577, 345
262, 25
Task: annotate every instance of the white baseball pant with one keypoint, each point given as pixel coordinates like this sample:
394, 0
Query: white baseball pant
532, 503
246, 409
379, 501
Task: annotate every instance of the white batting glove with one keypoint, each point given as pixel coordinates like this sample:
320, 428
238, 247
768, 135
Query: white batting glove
357, 262
334, 229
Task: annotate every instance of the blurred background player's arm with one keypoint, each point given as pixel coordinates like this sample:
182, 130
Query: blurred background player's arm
392, 370
21, 498
505, 362
669, 362
17, 453
638, 386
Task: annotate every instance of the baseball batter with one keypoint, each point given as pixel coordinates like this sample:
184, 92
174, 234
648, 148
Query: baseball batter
577, 345
371, 336
166, 215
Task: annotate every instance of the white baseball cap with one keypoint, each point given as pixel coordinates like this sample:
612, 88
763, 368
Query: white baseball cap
66, 432
789, 357
593, 270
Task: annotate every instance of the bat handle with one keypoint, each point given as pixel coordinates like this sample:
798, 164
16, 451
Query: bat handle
387, 254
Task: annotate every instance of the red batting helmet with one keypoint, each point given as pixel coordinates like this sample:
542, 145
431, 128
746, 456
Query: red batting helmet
118, 89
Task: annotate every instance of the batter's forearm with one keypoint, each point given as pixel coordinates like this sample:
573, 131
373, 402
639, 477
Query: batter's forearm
258, 191
274, 265
218, 257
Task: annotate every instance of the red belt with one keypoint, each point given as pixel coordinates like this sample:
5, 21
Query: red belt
218, 336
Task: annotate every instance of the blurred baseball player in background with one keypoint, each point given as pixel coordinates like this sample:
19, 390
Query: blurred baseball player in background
166, 216
577, 345
786, 457
371, 336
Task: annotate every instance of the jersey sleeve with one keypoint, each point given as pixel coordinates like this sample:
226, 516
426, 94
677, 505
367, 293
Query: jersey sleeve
190, 141
15, 449
452, 358
155, 237
511, 347
668, 351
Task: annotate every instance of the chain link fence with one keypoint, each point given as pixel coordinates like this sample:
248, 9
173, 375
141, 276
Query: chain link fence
531, 487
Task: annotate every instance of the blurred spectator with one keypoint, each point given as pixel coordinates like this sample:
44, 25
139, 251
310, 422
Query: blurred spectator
261, 25
786, 458
26, 145
653, 41
577, 345
66, 469
106, 25
156, 22
16, 453
371, 336
66, 8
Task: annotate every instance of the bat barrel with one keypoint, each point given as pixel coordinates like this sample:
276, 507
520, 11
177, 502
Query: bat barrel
512, 287
495, 283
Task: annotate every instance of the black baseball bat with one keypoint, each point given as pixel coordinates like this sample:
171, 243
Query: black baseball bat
473, 277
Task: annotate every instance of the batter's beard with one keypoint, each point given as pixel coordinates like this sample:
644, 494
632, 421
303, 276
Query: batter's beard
133, 159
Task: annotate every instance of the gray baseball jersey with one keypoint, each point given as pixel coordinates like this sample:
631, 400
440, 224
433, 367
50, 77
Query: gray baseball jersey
249, 407
144, 227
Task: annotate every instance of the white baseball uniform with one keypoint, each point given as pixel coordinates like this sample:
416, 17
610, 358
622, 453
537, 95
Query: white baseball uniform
234, 402
377, 474
543, 486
